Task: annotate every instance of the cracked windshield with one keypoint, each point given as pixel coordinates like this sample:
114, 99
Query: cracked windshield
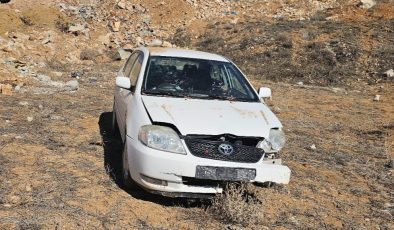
196, 78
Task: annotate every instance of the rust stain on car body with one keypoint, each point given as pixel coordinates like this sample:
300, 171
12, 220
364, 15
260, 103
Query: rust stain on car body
245, 113
167, 109
265, 118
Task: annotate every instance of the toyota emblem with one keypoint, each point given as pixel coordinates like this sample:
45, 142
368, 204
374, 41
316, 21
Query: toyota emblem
226, 149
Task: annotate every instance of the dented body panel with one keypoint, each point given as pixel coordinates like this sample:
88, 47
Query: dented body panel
172, 167
212, 117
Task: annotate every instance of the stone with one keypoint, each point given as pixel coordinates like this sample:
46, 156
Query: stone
44, 78
15, 199
46, 40
139, 41
57, 74
19, 36
122, 54
228, 26
167, 44
128, 47
105, 39
367, 4
77, 74
23, 103
156, 42
77, 29
28, 188
87, 12
121, 4
338, 90
313, 147
57, 84
377, 97
72, 85
30, 119
389, 73
115, 26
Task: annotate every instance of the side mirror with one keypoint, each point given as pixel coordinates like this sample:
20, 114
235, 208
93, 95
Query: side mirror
265, 92
123, 82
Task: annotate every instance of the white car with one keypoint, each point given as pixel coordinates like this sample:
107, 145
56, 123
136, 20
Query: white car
190, 122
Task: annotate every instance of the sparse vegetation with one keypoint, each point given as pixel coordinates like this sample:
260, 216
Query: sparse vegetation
238, 204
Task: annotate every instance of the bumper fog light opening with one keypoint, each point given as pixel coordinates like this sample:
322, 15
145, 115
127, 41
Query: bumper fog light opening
153, 180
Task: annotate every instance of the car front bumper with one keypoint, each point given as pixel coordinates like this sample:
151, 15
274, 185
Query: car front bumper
173, 168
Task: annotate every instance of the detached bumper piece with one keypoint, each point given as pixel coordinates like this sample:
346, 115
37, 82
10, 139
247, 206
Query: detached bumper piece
225, 174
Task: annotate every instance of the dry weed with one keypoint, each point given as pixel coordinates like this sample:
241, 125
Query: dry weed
238, 204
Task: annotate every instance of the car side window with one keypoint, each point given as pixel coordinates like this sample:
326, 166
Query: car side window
129, 64
135, 71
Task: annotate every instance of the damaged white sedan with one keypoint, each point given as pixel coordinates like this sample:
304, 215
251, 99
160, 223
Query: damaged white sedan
190, 122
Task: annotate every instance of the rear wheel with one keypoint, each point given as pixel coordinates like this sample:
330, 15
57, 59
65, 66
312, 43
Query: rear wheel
127, 181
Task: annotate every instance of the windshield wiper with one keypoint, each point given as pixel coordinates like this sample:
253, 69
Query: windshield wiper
163, 93
229, 98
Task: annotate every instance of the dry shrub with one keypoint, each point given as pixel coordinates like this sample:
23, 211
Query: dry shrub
237, 205
89, 54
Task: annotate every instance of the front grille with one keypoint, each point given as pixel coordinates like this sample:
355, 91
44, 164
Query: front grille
205, 148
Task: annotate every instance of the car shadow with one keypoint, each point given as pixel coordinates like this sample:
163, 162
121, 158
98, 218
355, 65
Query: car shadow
112, 147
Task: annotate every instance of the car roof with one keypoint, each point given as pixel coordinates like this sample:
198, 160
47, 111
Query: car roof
175, 52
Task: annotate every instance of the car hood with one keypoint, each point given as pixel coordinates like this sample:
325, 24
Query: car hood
212, 117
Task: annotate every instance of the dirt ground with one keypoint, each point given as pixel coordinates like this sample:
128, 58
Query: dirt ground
60, 167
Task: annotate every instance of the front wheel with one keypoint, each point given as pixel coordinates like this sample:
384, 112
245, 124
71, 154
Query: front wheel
127, 181
114, 124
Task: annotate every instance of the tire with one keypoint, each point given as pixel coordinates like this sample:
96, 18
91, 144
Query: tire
5, 1
114, 125
126, 179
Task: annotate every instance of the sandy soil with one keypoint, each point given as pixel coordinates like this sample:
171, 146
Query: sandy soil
61, 169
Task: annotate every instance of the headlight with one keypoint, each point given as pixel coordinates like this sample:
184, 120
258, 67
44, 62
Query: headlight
275, 141
161, 138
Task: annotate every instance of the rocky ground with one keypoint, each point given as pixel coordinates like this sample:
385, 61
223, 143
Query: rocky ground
329, 64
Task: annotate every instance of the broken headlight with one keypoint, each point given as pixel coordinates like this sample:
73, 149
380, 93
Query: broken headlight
161, 138
274, 143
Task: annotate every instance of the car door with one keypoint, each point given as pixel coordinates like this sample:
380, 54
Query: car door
131, 70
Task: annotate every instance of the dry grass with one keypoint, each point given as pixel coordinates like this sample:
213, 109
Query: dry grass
238, 204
